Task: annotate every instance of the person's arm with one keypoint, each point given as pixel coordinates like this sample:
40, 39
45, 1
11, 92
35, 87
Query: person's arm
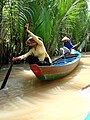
76, 45
33, 36
22, 56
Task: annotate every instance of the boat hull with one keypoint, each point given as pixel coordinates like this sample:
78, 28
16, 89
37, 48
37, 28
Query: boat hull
55, 71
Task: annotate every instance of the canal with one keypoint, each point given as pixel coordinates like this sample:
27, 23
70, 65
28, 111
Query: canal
26, 98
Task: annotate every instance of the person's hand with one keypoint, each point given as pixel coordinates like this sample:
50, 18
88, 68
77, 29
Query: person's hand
26, 27
79, 43
16, 58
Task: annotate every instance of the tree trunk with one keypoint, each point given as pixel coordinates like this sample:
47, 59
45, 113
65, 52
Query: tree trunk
1, 8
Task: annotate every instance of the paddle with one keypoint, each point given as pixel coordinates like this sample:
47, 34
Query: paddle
10, 68
64, 56
53, 61
76, 45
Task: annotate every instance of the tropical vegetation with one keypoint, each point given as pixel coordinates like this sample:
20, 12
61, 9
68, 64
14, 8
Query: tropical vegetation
49, 19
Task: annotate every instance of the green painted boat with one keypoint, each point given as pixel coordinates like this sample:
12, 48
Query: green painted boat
59, 68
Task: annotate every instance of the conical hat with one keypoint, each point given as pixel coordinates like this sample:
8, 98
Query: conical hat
65, 38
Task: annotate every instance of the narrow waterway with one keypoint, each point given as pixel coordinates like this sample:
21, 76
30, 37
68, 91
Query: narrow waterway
26, 98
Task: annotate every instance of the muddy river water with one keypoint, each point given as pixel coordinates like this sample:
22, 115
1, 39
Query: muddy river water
26, 98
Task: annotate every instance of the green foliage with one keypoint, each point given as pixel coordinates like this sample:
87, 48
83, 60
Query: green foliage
50, 19
76, 17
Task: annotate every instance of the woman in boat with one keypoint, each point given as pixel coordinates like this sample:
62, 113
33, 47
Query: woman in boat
67, 46
37, 54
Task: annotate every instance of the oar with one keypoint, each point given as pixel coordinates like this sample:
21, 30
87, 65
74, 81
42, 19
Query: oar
64, 56
10, 68
76, 45
53, 61
6, 77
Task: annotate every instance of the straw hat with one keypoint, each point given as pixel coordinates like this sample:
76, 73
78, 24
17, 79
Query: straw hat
30, 38
30, 41
65, 38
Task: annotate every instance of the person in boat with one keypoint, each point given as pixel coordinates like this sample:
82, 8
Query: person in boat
37, 54
67, 46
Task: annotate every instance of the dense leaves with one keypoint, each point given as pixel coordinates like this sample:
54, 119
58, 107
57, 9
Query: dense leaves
49, 19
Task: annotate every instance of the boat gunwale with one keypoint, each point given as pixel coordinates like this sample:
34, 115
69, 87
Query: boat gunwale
61, 65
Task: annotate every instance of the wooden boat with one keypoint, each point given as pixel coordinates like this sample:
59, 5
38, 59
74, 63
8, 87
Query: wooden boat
60, 67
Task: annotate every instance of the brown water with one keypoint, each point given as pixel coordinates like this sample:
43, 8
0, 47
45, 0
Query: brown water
27, 98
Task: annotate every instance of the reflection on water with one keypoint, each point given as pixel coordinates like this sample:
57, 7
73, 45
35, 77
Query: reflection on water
26, 98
